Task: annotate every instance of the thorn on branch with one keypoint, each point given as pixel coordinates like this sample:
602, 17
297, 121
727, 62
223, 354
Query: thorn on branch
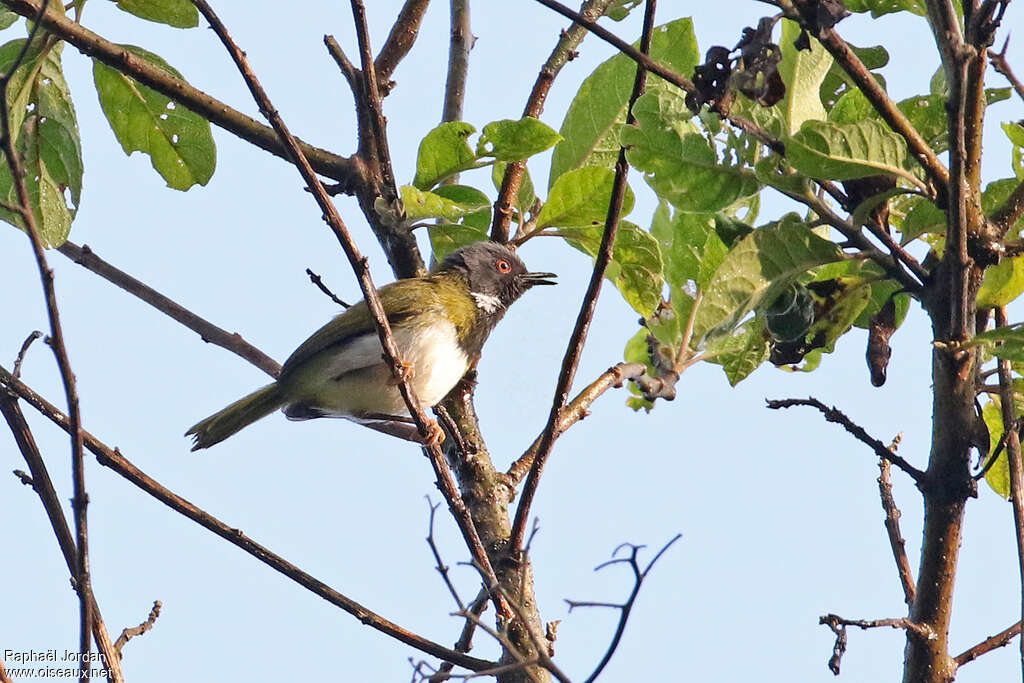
25, 478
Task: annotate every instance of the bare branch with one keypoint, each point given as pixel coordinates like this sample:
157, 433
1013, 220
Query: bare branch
579, 334
459, 46
207, 331
835, 415
399, 41
1001, 65
575, 411
113, 459
892, 528
1013, 456
625, 608
129, 633
36, 334
1001, 639
839, 624
80, 499
43, 486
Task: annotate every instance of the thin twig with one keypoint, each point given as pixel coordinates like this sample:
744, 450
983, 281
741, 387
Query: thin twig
892, 529
563, 52
838, 625
113, 459
835, 415
1013, 457
1001, 639
80, 499
318, 281
440, 566
625, 608
579, 334
1001, 65
36, 334
43, 486
576, 410
465, 641
207, 331
129, 633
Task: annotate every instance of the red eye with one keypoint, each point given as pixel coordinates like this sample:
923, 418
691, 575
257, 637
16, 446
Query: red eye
503, 266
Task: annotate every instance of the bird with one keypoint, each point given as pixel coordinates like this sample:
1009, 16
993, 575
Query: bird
439, 322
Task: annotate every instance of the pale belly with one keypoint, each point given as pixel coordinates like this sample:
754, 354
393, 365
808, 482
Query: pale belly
355, 382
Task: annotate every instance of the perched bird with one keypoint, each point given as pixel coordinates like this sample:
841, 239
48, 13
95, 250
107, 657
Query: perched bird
439, 322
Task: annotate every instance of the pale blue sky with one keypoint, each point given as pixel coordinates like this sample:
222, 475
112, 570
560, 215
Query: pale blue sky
779, 511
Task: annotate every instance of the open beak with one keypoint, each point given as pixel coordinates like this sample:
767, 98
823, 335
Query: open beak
531, 279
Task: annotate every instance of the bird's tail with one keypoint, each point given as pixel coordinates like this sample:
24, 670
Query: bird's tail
236, 416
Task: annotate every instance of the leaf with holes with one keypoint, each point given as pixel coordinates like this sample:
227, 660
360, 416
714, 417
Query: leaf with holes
443, 153
176, 13
178, 141
509, 140
45, 131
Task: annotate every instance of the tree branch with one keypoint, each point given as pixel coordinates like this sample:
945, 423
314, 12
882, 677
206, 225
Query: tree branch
113, 459
129, 633
207, 331
575, 411
459, 46
838, 625
837, 416
1013, 457
1002, 66
1001, 639
579, 334
80, 499
43, 486
892, 528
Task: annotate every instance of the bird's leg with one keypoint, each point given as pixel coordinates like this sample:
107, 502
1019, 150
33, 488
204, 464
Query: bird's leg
404, 428
406, 371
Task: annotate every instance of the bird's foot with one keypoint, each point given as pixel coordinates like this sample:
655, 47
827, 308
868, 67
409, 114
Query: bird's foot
405, 374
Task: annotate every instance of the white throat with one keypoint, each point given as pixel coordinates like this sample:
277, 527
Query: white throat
488, 303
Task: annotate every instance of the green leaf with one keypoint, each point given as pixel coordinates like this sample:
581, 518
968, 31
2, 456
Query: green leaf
637, 351
420, 204
803, 72
527, 195
178, 141
689, 244
679, 164
756, 270
447, 237
1015, 132
1003, 283
600, 105
45, 131
922, 217
742, 351
1004, 342
477, 204
822, 149
620, 9
177, 13
7, 19
881, 7
509, 140
850, 301
635, 268
444, 152
995, 195
998, 476
580, 197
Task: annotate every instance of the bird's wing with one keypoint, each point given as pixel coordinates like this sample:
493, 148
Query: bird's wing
354, 329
